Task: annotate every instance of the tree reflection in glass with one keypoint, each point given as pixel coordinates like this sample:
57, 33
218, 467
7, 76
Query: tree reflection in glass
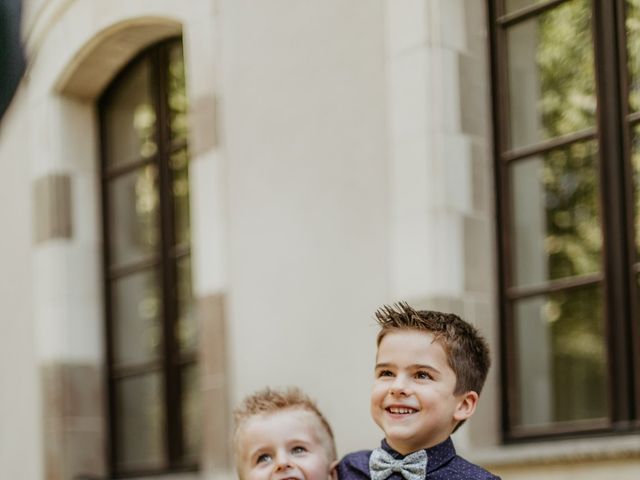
555, 224
561, 357
632, 25
551, 74
635, 164
513, 5
130, 118
134, 215
177, 95
137, 310
191, 411
179, 165
141, 419
187, 326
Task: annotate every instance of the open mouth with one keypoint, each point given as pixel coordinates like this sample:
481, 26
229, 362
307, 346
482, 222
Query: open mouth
401, 410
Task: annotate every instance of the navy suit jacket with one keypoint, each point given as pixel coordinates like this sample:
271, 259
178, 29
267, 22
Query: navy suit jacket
442, 464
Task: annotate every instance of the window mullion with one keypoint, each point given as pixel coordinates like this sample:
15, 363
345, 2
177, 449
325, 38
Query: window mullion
173, 431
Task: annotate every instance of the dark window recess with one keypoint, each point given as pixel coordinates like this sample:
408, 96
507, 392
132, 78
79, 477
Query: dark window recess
566, 110
151, 328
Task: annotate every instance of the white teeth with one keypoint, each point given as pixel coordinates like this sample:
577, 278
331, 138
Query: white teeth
401, 410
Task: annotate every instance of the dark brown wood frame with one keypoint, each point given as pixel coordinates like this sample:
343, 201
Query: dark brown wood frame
621, 265
172, 359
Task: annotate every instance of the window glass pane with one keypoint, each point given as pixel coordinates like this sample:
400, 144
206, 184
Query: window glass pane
137, 309
191, 417
134, 215
555, 224
179, 163
551, 79
513, 5
130, 118
140, 422
561, 357
635, 163
187, 326
177, 94
632, 24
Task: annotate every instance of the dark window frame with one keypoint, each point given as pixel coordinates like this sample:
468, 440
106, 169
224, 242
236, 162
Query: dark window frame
620, 262
172, 359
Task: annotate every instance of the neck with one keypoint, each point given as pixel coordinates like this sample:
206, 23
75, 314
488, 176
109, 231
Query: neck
405, 448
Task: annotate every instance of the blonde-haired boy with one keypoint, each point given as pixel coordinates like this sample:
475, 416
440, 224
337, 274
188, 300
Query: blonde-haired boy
281, 434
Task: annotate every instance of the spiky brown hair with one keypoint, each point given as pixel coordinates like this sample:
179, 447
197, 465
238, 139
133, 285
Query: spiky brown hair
467, 351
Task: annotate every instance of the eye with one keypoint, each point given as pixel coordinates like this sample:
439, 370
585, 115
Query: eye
385, 373
265, 457
298, 450
423, 375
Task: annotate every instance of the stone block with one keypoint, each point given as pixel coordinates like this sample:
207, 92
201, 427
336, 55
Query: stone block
406, 25
52, 208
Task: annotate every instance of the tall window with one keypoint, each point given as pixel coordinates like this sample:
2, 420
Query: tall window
152, 334
566, 78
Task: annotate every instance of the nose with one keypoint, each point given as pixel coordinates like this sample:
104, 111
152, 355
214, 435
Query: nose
282, 462
399, 386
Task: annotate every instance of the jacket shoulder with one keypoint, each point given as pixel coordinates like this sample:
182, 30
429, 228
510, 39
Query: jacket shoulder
471, 470
354, 465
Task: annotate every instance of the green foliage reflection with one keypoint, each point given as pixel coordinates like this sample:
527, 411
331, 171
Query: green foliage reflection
574, 239
632, 24
572, 319
578, 355
565, 62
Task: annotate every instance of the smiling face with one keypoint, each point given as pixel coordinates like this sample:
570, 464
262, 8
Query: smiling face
287, 444
413, 398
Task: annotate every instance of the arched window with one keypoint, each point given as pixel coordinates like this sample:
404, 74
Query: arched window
151, 327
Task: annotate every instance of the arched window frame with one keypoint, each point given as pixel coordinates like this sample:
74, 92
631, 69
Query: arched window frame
173, 359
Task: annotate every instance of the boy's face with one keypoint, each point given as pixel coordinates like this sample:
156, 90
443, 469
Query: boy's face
413, 399
287, 444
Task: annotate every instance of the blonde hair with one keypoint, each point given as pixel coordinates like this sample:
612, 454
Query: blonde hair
270, 400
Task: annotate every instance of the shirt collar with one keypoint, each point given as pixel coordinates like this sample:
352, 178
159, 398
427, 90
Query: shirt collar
437, 455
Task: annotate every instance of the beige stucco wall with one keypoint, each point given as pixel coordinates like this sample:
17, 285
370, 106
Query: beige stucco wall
304, 117
341, 159
21, 452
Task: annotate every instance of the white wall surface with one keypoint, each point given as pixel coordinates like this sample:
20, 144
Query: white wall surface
21, 451
304, 109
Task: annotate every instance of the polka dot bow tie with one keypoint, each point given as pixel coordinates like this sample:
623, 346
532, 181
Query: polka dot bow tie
411, 467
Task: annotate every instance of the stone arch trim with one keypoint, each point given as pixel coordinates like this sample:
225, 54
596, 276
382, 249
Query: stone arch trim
99, 60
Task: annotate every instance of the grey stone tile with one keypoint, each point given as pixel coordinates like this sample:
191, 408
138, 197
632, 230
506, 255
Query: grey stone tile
52, 208
478, 255
473, 80
204, 123
482, 194
74, 420
216, 411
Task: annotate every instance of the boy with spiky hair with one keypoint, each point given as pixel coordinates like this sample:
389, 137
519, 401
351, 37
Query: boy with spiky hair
282, 435
430, 369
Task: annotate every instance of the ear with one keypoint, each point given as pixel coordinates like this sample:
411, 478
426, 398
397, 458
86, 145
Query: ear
333, 470
466, 406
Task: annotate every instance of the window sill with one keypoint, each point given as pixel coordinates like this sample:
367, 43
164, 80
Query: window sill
558, 451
